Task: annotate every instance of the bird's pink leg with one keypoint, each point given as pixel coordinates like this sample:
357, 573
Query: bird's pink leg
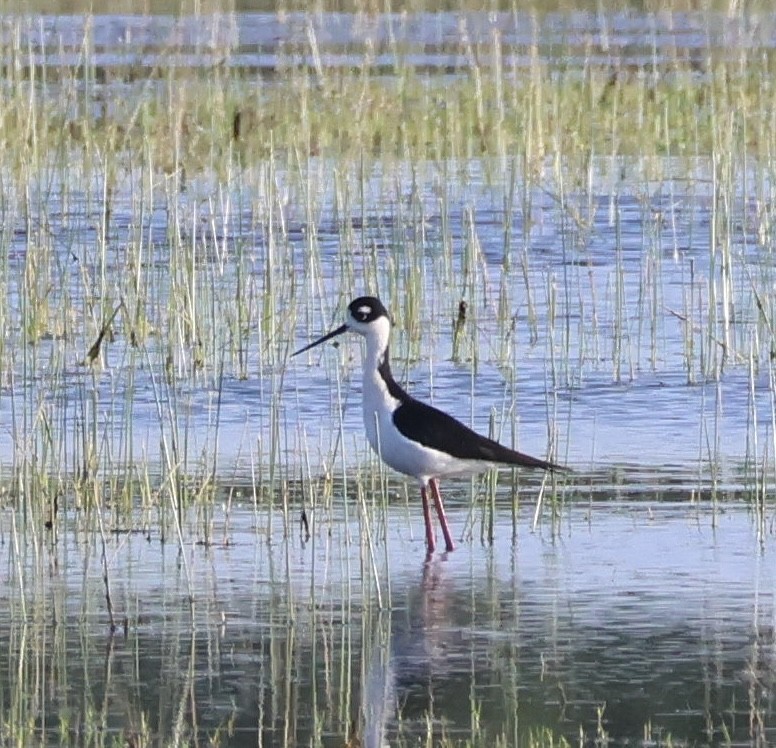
449, 545
430, 541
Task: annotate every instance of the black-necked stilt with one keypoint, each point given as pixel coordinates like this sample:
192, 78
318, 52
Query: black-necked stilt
414, 438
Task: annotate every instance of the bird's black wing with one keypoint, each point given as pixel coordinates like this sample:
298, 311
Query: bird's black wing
436, 429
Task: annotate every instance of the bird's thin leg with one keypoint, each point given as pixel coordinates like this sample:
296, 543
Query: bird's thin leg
449, 545
430, 541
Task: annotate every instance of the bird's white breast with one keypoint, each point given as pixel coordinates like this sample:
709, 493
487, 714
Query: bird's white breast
379, 406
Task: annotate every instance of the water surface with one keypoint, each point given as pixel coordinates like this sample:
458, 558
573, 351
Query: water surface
661, 618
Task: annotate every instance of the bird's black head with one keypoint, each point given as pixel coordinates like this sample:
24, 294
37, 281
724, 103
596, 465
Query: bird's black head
366, 316
366, 309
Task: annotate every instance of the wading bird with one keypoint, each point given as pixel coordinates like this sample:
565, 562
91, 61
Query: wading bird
410, 436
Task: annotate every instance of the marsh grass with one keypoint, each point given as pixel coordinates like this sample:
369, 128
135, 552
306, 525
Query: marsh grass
228, 211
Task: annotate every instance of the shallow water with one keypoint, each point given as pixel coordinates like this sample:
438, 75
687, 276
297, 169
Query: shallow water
627, 621
588, 364
661, 617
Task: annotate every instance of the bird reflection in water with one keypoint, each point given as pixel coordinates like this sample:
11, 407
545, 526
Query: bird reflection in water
409, 657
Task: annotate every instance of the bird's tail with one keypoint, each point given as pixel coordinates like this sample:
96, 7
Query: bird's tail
523, 460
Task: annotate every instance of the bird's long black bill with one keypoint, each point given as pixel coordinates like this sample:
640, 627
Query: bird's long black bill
332, 334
